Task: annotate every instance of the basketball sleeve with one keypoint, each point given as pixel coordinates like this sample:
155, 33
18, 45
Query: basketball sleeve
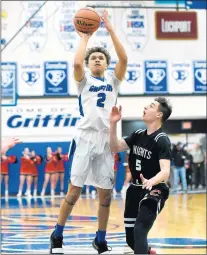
164, 148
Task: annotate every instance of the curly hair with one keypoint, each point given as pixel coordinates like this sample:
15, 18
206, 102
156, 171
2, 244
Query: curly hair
97, 49
165, 107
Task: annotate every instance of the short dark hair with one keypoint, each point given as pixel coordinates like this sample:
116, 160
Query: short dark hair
165, 107
97, 49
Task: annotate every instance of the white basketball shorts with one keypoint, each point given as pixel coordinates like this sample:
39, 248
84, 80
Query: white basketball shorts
91, 160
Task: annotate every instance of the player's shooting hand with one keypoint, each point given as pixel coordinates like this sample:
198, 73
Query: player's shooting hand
84, 35
147, 184
115, 115
107, 23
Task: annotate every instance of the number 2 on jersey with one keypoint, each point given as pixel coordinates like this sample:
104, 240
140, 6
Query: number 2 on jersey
101, 99
138, 165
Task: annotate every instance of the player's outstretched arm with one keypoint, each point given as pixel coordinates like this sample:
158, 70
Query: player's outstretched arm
121, 66
80, 56
6, 145
116, 145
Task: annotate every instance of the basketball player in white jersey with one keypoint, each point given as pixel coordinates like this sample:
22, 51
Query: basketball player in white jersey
90, 155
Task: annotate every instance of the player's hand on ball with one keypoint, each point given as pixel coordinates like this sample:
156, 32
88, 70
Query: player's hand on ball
115, 115
147, 184
84, 35
105, 19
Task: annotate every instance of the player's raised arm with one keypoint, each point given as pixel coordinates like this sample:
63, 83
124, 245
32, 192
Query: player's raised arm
121, 66
116, 144
80, 56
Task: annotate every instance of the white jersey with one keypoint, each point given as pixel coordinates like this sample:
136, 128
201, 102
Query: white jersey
96, 96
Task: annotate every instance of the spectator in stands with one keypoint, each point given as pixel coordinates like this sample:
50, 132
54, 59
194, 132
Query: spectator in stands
188, 166
179, 156
198, 165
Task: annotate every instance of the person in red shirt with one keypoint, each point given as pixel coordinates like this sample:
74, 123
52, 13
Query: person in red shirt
35, 160
60, 168
5, 161
50, 172
25, 172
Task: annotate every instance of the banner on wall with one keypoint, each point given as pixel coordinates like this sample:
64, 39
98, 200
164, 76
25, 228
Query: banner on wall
35, 33
133, 84
199, 70
31, 79
171, 25
156, 77
40, 120
180, 77
8, 83
135, 27
56, 78
64, 26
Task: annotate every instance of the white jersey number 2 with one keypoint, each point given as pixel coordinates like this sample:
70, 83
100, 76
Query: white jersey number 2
138, 165
101, 99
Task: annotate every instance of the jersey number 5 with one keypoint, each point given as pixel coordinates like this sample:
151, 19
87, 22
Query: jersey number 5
138, 165
101, 99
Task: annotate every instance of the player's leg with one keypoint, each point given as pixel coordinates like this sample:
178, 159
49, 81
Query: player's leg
80, 163
103, 174
149, 207
130, 213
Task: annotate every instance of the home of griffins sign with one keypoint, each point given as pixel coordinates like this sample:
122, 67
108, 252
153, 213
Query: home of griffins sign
172, 25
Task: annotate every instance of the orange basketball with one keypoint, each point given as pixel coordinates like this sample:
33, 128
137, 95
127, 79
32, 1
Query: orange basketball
87, 20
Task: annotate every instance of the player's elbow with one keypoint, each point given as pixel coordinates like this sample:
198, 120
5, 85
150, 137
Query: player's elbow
77, 65
113, 148
124, 59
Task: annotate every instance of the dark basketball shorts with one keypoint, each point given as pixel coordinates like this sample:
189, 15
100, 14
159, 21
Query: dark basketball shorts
135, 196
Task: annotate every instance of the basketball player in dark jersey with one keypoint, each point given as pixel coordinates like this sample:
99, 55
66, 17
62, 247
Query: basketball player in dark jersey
149, 163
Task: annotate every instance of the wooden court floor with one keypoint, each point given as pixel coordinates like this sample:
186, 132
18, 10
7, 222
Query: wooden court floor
27, 223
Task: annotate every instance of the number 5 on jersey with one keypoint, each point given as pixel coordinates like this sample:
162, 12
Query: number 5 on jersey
138, 165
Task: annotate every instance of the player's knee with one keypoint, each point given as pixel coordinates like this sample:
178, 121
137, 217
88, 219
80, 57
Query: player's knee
106, 200
73, 196
145, 220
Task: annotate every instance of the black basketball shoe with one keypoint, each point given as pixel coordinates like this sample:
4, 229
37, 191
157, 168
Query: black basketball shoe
100, 247
56, 244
